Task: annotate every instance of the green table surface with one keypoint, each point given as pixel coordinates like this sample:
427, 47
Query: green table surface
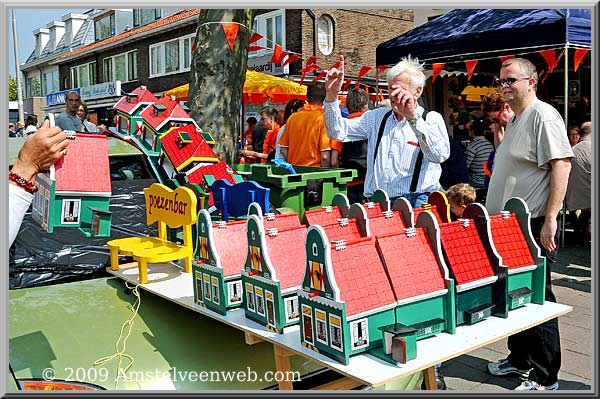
67, 327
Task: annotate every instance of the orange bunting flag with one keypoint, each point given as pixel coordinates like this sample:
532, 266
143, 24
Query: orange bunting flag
363, 71
276, 54
551, 60
255, 37
320, 76
303, 76
290, 59
194, 45
470, 67
579, 54
381, 69
311, 60
506, 57
346, 84
231, 30
436, 69
256, 48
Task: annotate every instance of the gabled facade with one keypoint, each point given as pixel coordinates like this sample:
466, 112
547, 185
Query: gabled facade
184, 147
76, 191
129, 108
273, 274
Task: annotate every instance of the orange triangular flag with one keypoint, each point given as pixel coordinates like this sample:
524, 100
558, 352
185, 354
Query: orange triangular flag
579, 54
436, 68
255, 37
276, 54
551, 60
256, 48
291, 58
470, 67
381, 69
231, 30
346, 84
311, 60
506, 57
320, 76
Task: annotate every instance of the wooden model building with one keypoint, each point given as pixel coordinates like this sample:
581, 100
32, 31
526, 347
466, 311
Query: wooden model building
76, 191
129, 109
273, 273
437, 203
219, 259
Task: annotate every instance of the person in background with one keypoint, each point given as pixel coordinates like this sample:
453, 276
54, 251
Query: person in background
396, 137
82, 113
11, 130
459, 196
30, 124
532, 162
478, 151
259, 132
354, 153
579, 189
68, 119
268, 117
247, 135
498, 112
573, 133
454, 169
19, 130
291, 107
304, 141
41, 149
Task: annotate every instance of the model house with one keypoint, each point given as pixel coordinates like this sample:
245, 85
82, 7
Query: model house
129, 108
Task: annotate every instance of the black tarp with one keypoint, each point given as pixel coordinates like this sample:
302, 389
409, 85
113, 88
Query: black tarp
476, 33
40, 258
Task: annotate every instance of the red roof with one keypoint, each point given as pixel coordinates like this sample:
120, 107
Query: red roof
198, 150
282, 221
85, 168
172, 112
122, 36
287, 252
433, 210
373, 209
465, 253
381, 225
142, 96
510, 242
411, 264
361, 277
348, 232
322, 216
231, 245
219, 170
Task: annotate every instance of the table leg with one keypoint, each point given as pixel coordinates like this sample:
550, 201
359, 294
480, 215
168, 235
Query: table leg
252, 339
282, 364
429, 376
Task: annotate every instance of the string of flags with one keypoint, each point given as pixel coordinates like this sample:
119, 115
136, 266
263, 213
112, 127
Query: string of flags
285, 57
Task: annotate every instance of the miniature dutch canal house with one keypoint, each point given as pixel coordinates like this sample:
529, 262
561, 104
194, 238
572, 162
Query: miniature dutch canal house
76, 191
129, 108
273, 273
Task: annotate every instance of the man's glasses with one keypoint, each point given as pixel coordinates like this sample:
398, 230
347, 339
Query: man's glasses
508, 81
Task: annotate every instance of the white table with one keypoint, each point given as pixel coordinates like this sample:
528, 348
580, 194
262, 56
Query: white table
169, 282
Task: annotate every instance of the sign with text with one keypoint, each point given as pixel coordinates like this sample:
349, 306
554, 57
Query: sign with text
101, 90
174, 207
59, 97
262, 64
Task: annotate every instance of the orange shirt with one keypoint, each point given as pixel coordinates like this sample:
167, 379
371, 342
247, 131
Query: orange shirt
270, 140
305, 136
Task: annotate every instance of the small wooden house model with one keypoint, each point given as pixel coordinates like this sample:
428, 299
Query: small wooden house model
184, 147
129, 108
76, 191
437, 203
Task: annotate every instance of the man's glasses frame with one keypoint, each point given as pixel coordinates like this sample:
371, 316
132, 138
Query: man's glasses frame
508, 81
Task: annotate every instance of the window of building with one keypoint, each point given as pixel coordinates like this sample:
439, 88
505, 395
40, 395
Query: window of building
325, 36
121, 67
83, 75
104, 27
146, 15
172, 56
271, 26
50, 82
33, 87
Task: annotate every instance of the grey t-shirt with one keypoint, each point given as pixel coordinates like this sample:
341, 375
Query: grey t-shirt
579, 191
69, 122
521, 165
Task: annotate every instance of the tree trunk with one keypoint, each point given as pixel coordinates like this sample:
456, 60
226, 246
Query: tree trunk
217, 77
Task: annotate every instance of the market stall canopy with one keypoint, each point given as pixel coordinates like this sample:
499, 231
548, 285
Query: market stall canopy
464, 34
257, 89
475, 93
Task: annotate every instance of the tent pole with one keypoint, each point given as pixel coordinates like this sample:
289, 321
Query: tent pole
566, 112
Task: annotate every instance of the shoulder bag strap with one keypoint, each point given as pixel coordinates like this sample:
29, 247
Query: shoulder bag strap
381, 129
418, 163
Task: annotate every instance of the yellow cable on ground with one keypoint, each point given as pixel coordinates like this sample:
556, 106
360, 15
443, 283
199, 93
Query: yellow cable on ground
120, 353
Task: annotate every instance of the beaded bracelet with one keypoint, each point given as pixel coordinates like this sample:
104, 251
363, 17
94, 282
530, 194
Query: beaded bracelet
28, 186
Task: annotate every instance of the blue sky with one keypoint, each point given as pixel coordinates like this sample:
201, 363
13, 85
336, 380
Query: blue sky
29, 19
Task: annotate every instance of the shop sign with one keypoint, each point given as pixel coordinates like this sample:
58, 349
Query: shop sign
262, 64
59, 97
101, 90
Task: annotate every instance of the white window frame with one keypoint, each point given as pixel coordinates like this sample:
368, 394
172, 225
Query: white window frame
216, 291
330, 34
113, 70
260, 26
291, 303
75, 78
333, 327
231, 285
321, 322
354, 326
160, 48
250, 302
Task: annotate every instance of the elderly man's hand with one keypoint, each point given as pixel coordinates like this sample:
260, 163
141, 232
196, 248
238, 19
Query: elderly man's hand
41, 149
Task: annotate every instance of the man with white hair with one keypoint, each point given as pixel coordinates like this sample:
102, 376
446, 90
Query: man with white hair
406, 144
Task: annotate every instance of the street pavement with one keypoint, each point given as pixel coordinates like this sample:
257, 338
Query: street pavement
572, 284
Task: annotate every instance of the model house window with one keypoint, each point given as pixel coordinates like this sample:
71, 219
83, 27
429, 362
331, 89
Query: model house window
234, 289
198, 279
335, 331
307, 325
321, 321
325, 34
291, 309
270, 308
83, 75
360, 333
216, 295
207, 290
104, 27
145, 15
121, 67
250, 297
172, 56
260, 301
271, 26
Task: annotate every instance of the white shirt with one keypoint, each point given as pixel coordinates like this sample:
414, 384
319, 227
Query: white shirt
393, 168
277, 146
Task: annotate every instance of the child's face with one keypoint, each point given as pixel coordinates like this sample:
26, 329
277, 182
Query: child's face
456, 209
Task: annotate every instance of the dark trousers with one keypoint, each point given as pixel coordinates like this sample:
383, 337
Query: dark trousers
539, 346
